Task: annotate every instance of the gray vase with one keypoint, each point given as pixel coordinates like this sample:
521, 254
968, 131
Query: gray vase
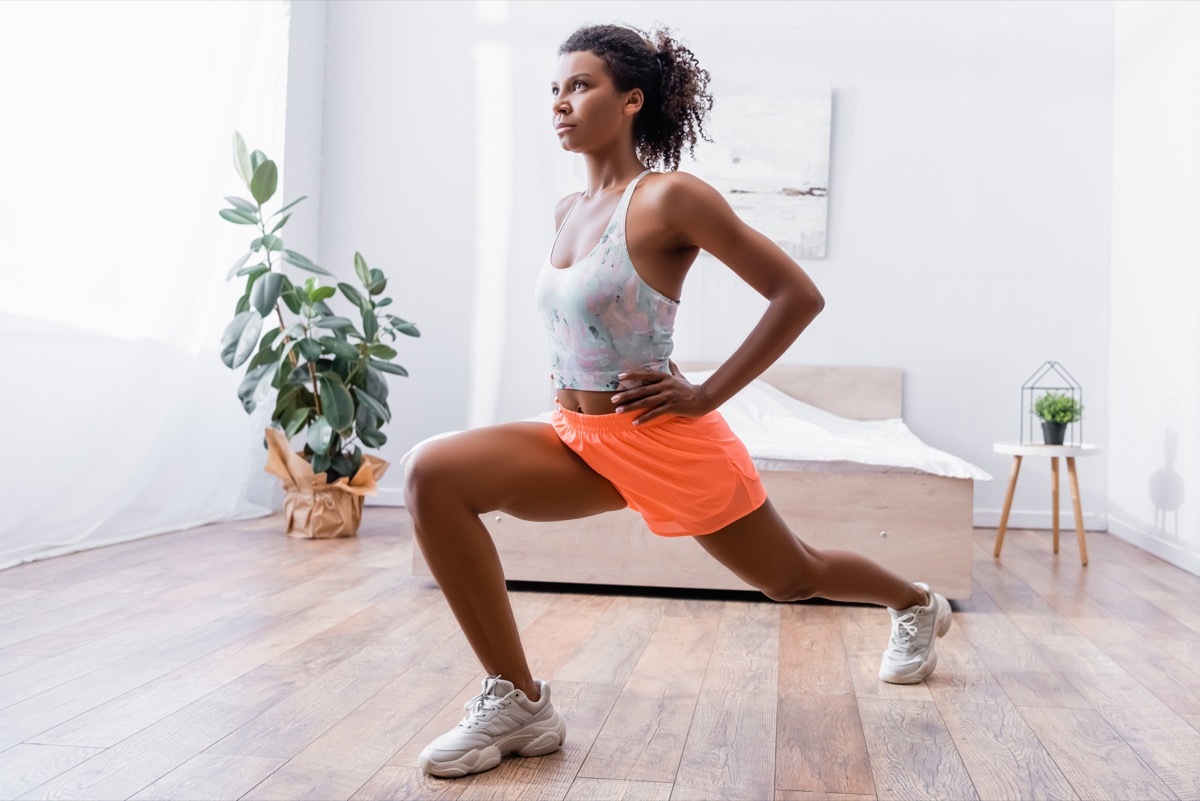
1054, 433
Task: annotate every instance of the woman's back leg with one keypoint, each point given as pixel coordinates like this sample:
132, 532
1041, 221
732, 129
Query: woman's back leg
762, 550
519, 468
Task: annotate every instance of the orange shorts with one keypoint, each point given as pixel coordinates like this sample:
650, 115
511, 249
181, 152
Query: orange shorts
684, 475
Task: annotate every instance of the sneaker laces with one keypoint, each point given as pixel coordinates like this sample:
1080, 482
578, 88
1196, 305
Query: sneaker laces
479, 707
904, 633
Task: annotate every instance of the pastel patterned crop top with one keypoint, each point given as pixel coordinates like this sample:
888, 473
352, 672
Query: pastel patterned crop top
601, 317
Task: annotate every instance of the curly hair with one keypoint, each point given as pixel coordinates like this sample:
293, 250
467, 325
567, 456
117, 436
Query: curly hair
674, 85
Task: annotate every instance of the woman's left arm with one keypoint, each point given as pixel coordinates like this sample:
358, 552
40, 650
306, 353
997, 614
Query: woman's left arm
701, 217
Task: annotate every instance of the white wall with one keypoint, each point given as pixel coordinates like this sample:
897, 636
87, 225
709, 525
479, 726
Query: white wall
969, 201
1154, 357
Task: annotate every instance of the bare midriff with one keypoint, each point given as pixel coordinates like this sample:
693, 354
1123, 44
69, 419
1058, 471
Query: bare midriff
586, 401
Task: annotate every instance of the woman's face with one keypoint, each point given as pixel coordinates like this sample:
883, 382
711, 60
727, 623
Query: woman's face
587, 110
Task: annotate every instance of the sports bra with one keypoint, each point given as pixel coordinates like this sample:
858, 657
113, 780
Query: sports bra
601, 318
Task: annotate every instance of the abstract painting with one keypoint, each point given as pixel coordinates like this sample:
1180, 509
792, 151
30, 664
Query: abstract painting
770, 159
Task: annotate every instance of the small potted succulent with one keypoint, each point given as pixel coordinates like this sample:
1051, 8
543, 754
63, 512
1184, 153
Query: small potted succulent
1056, 410
327, 369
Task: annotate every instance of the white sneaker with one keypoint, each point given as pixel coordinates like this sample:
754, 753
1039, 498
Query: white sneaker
500, 720
910, 657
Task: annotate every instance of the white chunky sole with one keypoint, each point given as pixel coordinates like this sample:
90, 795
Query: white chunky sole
537, 739
922, 671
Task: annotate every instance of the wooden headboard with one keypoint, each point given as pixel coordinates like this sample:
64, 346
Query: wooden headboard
858, 393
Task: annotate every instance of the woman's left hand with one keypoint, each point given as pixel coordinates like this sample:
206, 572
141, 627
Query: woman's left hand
661, 394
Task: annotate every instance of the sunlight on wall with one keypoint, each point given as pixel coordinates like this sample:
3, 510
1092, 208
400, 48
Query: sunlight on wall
494, 148
116, 143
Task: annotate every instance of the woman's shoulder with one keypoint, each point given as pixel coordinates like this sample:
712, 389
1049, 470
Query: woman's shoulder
675, 186
678, 194
563, 206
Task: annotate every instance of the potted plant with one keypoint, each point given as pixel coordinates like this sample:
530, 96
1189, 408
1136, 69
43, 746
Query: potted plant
1056, 410
328, 371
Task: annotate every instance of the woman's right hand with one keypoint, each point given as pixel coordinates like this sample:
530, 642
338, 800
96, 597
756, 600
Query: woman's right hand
661, 393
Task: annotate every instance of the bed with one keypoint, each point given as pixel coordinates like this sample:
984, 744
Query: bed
915, 522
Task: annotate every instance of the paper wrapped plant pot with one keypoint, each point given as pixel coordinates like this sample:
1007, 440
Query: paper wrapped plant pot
314, 508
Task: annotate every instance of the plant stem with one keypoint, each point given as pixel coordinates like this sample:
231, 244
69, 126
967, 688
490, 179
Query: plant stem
312, 374
366, 353
262, 226
354, 370
282, 328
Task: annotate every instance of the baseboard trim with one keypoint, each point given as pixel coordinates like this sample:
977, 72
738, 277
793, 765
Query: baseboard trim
1017, 518
1167, 551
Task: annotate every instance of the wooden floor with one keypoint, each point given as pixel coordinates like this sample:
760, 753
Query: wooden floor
229, 662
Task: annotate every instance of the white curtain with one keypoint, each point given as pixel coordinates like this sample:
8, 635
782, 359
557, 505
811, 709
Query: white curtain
119, 419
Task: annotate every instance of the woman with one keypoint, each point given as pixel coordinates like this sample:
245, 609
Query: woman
629, 428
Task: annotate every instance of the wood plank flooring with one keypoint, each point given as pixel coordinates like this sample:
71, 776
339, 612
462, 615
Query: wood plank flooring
230, 662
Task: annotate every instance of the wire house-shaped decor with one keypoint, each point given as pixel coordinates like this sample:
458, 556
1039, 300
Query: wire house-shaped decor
1050, 377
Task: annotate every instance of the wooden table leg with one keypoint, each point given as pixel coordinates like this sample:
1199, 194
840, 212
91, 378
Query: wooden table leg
1008, 499
1054, 496
1078, 509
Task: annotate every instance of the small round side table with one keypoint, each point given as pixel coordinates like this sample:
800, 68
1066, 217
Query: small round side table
1018, 451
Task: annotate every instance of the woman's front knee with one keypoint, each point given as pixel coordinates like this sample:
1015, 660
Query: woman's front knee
428, 478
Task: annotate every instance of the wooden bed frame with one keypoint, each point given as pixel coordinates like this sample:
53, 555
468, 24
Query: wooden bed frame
914, 523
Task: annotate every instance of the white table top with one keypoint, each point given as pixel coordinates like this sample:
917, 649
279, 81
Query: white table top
1037, 449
